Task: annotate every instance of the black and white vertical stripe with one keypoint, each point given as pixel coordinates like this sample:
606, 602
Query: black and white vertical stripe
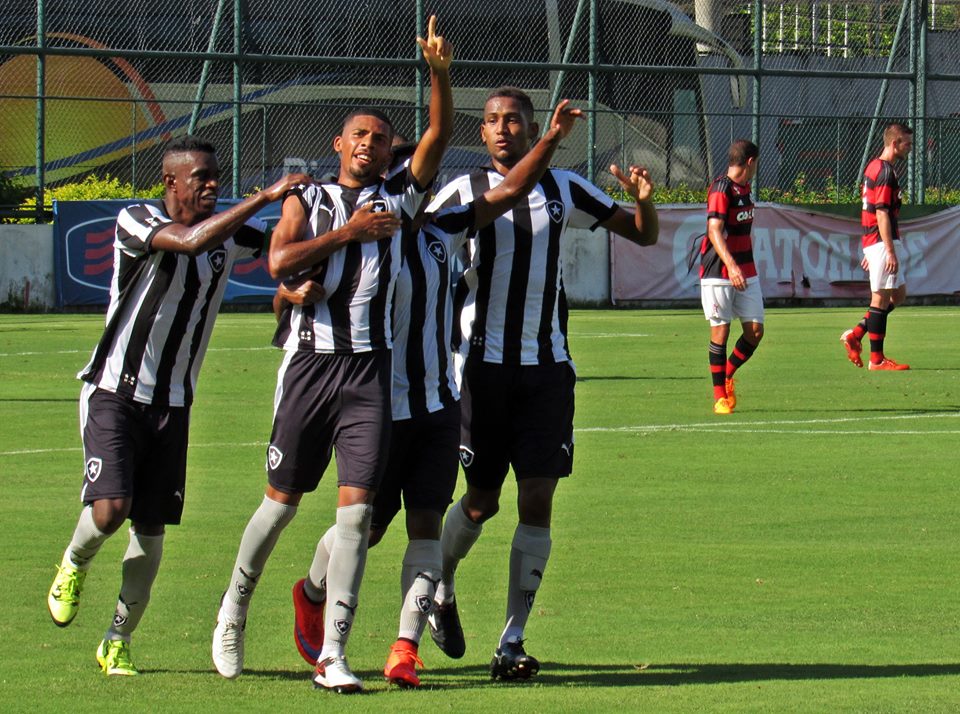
354, 315
423, 368
512, 304
162, 309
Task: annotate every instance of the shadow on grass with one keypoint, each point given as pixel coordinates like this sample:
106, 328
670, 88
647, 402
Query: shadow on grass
612, 675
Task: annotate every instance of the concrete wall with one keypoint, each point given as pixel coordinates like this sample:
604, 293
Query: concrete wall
26, 257
26, 267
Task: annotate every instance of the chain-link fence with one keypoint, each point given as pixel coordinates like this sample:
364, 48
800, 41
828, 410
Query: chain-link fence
269, 82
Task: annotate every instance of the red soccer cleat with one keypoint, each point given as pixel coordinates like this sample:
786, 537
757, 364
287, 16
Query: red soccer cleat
401, 667
853, 347
888, 364
307, 624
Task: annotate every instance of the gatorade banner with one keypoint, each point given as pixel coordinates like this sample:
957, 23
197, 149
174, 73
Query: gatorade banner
798, 254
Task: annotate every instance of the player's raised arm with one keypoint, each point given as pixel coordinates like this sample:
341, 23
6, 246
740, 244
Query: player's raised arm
212, 231
438, 53
290, 253
642, 227
521, 179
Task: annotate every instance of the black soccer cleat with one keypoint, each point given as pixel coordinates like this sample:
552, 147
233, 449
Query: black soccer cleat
445, 629
511, 662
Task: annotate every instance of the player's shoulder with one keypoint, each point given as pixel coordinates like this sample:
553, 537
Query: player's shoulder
721, 184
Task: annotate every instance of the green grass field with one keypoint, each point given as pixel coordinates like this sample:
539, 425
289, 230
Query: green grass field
799, 555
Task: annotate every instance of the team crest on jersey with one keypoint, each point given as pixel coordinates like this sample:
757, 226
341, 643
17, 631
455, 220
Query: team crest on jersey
379, 205
466, 456
274, 456
217, 259
437, 251
93, 468
555, 211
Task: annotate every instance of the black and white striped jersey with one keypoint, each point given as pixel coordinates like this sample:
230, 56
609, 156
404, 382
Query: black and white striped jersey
511, 302
423, 369
354, 315
162, 309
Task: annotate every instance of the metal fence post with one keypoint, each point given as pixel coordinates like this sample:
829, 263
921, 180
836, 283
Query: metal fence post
41, 112
757, 66
592, 96
418, 77
237, 93
920, 130
133, 148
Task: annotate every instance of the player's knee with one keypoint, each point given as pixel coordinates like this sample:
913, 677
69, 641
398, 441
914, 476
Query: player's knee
376, 535
111, 513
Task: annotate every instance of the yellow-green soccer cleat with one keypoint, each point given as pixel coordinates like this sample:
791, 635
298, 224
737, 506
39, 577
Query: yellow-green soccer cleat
113, 656
63, 600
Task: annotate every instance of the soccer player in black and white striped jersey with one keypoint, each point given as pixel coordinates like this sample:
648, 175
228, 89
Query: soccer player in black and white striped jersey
518, 383
171, 262
333, 387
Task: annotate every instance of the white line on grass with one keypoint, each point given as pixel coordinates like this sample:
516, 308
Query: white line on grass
74, 352
724, 428
751, 426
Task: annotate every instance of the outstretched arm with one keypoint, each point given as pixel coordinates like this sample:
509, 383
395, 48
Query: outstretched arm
438, 53
642, 227
521, 179
213, 231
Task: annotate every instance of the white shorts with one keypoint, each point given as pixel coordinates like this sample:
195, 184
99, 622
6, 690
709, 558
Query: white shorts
880, 278
722, 303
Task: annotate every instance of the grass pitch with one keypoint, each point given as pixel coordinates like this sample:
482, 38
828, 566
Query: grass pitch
799, 555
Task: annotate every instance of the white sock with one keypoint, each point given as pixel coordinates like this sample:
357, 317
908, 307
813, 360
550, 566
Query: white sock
348, 557
457, 538
259, 538
528, 560
315, 586
418, 585
86, 541
140, 565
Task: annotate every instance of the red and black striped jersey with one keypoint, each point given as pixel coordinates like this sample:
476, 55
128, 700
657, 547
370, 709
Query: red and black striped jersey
730, 202
881, 191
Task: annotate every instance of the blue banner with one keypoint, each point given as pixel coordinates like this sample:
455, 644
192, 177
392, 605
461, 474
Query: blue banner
83, 255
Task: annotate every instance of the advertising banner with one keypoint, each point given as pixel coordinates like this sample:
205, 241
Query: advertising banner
83, 236
798, 254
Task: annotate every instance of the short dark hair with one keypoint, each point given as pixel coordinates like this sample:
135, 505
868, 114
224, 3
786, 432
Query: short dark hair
894, 131
186, 143
740, 151
402, 152
514, 93
369, 112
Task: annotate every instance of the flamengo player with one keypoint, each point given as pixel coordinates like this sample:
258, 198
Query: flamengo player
881, 235
729, 287
171, 260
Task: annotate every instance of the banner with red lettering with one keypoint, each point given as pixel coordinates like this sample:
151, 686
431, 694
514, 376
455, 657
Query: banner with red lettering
798, 254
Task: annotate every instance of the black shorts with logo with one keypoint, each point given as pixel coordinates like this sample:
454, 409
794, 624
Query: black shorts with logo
520, 416
134, 450
325, 402
423, 465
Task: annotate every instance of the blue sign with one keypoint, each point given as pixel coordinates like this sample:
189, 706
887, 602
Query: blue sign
83, 255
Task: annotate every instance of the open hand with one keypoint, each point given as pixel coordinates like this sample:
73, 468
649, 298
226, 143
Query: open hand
638, 183
564, 117
277, 190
